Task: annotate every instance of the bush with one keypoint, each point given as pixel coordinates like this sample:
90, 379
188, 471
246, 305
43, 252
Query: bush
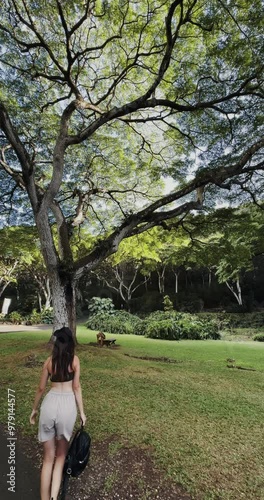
34, 318
259, 337
2, 318
164, 329
174, 325
15, 318
117, 322
161, 315
97, 305
194, 328
47, 316
168, 325
236, 320
221, 319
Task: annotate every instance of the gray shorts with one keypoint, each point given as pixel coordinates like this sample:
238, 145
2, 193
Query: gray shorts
58, 413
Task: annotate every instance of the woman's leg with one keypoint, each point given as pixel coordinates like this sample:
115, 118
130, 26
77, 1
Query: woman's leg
46, 471
61, 452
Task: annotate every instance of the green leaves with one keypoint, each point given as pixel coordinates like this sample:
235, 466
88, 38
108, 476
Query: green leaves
108, 98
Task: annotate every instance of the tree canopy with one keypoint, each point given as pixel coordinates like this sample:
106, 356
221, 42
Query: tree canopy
100, 100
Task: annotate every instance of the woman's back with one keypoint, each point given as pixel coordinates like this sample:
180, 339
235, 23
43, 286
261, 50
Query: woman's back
59, 384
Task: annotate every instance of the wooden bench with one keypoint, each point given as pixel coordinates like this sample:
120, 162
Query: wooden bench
109, 342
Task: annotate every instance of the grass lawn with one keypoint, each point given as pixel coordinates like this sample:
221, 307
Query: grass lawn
202, 420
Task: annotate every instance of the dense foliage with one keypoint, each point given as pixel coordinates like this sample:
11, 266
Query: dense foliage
98, 305
259, 337
160, 325
119, 322
34, 318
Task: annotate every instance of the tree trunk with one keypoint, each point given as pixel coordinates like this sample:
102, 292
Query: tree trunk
63, 295
40, 301
237, 293
210, 278
161, 280
176, 274
47, 293
2, 289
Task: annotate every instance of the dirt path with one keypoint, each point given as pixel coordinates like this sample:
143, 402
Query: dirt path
26, 477
113, 473
23, 328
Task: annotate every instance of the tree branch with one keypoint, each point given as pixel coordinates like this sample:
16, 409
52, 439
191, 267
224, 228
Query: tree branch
150, 217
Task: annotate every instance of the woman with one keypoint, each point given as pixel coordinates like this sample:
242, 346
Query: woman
58, 410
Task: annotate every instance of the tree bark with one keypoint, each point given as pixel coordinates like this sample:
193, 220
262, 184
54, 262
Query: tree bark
161, 279
63, 292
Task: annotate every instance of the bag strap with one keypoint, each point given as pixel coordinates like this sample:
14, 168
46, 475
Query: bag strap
67, 473
65, 481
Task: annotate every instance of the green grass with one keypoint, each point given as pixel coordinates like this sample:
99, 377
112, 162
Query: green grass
203, 420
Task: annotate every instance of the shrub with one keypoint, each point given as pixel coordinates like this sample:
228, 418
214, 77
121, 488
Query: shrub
117, 322
170, 325
164, 329
47, 316
34, 318
221, 319
98, 305
161, 315
167, 303
15, 318
259, 337
236, 320
194, 328
174, 325
2, 318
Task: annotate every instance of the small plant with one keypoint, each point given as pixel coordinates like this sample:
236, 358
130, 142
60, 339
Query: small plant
2, 317
34, 318
97, 305
15, 317
47, 316
167, 304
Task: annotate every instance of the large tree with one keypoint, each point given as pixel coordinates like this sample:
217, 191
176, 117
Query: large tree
99, 99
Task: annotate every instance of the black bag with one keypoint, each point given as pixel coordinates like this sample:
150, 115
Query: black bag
77, 458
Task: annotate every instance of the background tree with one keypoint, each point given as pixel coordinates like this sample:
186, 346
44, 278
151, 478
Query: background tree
16, 251
227, 242
130, 267
81, 80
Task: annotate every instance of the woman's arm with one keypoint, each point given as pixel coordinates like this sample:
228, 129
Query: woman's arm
40, 391
77, 388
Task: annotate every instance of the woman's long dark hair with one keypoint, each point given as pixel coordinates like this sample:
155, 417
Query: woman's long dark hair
63, 353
